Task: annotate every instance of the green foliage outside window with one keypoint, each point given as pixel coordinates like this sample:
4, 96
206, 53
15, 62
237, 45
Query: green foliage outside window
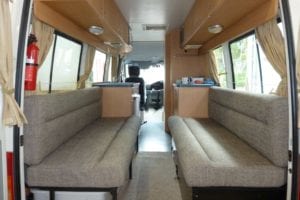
239, 59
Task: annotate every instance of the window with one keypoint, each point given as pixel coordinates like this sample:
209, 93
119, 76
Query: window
97, 73
60, 68
245, 64
251, 69
153, 73
220, 62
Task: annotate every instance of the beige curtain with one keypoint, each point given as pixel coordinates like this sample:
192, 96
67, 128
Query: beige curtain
90, 55
212, 67
114, 68
12, 114
272, 43
44, 34
107, 67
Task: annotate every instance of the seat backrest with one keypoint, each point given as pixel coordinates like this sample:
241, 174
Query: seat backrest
55, 118
258, 119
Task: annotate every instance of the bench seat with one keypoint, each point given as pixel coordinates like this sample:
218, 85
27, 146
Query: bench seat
240, 151
95, 157
210, 155
68, 145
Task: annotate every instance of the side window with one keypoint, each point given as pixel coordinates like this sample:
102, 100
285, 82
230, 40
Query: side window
245, 64
220, 61
251, 69
60, 69
65, 64
97, 73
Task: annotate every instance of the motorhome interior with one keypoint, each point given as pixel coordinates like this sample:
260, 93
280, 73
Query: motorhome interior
152, 99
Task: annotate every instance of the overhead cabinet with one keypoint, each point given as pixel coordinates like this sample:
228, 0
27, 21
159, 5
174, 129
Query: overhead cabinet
236, 17
75, 17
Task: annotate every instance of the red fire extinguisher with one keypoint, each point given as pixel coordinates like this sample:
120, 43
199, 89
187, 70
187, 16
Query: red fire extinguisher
31, 63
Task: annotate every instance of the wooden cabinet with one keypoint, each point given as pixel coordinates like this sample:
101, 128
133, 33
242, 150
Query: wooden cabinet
191, 101
75, 17
114, 17
236, 17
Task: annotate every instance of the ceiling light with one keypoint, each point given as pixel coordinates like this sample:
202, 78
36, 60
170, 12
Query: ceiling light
96, 30
217, 28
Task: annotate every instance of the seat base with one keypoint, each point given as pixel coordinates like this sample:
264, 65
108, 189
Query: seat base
52, 190
229, 193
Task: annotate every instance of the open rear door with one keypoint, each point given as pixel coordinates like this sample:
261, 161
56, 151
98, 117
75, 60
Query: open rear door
291, 20
14, 25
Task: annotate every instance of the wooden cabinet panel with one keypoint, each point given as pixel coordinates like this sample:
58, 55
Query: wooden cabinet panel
191, 102
117, 101
99, 6
114, 17
199, 14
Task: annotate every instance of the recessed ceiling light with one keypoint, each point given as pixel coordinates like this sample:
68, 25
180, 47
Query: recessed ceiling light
96, 30
217, 28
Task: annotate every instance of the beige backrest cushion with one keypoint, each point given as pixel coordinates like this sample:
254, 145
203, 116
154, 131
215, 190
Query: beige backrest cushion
260, 120
54, 118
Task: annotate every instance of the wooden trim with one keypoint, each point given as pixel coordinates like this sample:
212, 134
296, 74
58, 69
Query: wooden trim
262, 14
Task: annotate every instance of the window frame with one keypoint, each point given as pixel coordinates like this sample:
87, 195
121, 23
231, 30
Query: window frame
65, 36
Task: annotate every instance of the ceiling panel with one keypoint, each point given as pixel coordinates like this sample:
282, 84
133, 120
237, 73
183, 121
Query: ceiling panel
146, 51
140, 12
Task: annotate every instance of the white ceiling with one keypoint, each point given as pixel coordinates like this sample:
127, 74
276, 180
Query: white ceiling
139, 12
151, 52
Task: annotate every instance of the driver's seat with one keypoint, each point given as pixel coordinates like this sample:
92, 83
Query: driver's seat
134, 72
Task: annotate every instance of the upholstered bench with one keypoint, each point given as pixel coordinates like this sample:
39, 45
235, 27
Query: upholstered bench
68, 146
242, 147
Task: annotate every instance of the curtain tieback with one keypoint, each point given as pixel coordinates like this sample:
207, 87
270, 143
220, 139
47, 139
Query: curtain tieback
8, 91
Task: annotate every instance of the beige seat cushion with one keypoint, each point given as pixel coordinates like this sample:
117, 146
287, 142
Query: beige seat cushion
98, 156
210, 155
